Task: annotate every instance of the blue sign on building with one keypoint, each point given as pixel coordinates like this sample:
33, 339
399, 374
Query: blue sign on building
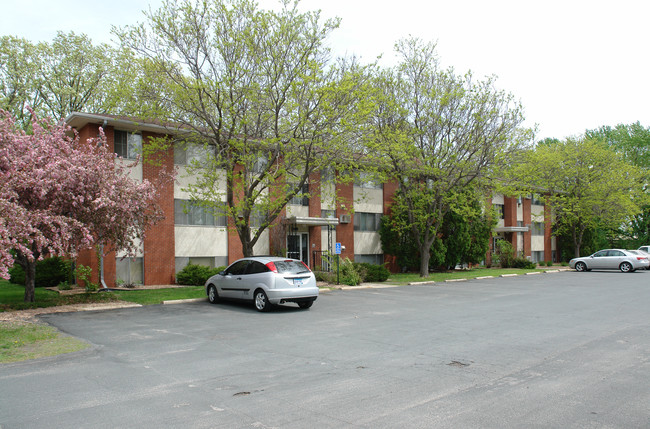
337, 249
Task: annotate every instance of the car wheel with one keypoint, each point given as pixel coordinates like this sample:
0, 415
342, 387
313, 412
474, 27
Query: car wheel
581, 266
626, 267
261, 301
213, 295
305, 305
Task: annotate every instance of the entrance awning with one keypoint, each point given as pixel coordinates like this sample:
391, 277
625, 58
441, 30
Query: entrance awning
511, 229
312, 221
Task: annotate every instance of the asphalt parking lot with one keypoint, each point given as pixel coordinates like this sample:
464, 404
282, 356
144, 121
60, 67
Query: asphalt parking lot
568, 350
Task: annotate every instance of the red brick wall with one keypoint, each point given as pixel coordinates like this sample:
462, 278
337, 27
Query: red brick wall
159, 244
345, 231
510, 218
528, 219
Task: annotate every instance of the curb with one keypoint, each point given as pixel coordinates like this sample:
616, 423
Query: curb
184, 301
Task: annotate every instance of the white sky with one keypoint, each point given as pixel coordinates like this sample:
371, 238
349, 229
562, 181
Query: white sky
574, 64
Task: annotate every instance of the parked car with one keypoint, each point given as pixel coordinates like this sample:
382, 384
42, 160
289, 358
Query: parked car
265, 280
645, 249
611, 259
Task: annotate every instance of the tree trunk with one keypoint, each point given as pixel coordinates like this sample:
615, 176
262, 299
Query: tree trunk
30, 280
425, 257
30, 275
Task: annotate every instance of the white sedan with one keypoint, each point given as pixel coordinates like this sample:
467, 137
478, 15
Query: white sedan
612, 259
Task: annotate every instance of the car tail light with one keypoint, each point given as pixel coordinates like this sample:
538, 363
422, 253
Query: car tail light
271, 266
640, 258
305, 266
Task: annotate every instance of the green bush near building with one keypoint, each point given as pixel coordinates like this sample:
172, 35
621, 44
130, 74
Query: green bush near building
196, 275
49, 272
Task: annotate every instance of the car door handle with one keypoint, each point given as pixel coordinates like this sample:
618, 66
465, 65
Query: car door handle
238, 278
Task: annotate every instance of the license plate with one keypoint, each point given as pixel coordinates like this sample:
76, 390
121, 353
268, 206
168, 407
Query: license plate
297, 282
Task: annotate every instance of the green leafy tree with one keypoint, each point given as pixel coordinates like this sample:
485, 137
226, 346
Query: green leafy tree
464, 235
258, 91
436, 133
589, 186
633, 143
55, 79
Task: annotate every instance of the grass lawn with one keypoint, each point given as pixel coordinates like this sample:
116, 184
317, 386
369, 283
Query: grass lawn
402, 279
22, 341
12, 296
157, 296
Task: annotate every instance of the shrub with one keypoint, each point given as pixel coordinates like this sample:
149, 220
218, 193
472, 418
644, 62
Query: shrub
522, 263
49, 272
349, 275
84, 274
549, 263
325, 276
64, 286
372, 272
196, 275
505, 253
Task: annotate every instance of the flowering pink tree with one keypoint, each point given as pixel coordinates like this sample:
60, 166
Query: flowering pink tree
59, 195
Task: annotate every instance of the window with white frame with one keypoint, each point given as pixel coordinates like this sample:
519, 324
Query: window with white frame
375, 259
367, 221
129, 271
192, 153
537, 228
500, 211
366, 181
127, 145
302, 198
188, 213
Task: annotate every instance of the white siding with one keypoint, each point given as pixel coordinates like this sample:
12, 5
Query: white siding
368, 201
194, 241
366, 243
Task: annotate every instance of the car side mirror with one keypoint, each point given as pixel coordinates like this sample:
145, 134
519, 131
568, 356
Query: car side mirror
222, 273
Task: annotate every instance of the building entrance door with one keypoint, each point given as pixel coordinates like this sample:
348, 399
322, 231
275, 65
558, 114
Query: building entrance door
298, 246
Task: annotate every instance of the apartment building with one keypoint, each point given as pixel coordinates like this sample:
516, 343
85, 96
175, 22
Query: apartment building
306, 229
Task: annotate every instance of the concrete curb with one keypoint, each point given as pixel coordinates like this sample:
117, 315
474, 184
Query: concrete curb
184, 301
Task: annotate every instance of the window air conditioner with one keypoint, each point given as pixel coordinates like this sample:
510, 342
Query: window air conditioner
345, 218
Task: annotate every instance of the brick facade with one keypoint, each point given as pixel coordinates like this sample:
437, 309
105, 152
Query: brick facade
160, 247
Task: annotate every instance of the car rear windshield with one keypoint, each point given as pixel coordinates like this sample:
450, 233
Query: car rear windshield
290, 267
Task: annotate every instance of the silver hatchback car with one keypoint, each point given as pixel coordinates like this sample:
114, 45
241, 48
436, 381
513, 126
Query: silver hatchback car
265, 280
611, 259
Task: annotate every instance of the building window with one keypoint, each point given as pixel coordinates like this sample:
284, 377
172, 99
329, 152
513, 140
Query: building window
193, 154
129, 271
302, 197
327, 175
537, 228
537, 256
188, 213
366, 181
207, 261
258, 216
127, 145
260, 164
328, 214
500, 211
367, 221
537, 200
370, 259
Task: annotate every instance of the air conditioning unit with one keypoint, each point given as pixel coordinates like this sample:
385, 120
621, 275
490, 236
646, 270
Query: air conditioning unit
346, 218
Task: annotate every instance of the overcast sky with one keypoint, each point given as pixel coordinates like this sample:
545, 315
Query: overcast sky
575, 65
